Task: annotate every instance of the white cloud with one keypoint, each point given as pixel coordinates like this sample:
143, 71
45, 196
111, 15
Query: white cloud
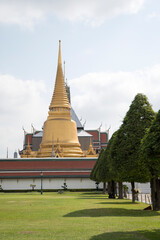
94, 12
106, 97
97, 97
21, 103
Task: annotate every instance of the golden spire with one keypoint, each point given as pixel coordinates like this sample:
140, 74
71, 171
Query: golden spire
28, 148
59, 99
59, 124
91, 151
59, 55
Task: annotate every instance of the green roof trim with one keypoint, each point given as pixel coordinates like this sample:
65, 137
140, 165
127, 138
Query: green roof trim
46, 159
49, 176
45, 169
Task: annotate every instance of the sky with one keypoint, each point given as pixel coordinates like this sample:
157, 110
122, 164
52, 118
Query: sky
111, 51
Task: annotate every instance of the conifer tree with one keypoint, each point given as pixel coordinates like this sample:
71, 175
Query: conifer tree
150, 151
103, 169
104, 172
127, 143
93, 175
116, 164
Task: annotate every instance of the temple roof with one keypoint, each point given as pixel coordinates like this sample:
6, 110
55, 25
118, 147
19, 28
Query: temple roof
39, 134
75, 118
83, 133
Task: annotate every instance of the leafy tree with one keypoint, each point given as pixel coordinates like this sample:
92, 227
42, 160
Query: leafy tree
128, 139
150, 151
104, 172
93, 175
116, 163
103, 169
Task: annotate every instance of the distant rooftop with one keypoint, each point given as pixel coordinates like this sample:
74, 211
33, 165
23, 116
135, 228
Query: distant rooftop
82, 133
75, 118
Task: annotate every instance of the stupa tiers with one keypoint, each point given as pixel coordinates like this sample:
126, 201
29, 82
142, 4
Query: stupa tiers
59, 127
59, 131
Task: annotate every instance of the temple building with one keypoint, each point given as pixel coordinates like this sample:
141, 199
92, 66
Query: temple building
61, 155
62, 129
63, 152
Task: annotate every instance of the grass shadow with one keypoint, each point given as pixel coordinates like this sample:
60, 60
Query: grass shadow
102, 196
119, 202
138, 235
98, 198
93, 193
111, 212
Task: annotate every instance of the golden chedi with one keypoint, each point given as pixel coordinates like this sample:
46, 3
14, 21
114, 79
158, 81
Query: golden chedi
28, 153
91, 152
59, 127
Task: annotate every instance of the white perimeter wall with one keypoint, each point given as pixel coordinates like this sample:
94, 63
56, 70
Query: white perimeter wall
56, 183
48, 183
142, 187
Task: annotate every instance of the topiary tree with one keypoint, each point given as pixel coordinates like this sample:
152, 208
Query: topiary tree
93, 175
116, 163
128, 139
103, 169
150, 152
104, 172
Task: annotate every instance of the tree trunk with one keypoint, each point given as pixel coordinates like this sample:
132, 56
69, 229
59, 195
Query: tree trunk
104, 188
158, 194
155, 193
153, 186
113, 189
133, 193
120, 186
109, 188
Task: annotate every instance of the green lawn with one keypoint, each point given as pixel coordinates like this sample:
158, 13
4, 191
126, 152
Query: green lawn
74, 216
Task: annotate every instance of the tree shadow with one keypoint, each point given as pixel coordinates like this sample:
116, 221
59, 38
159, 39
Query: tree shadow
98, 198
120, 202
93, 193
102, 196
153, 234
111, 212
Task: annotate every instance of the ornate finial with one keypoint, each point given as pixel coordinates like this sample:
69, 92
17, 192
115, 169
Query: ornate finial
90, 141
99, 129
24, 130
33, 129
84, 123
107, 131
7, 152
59, 55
